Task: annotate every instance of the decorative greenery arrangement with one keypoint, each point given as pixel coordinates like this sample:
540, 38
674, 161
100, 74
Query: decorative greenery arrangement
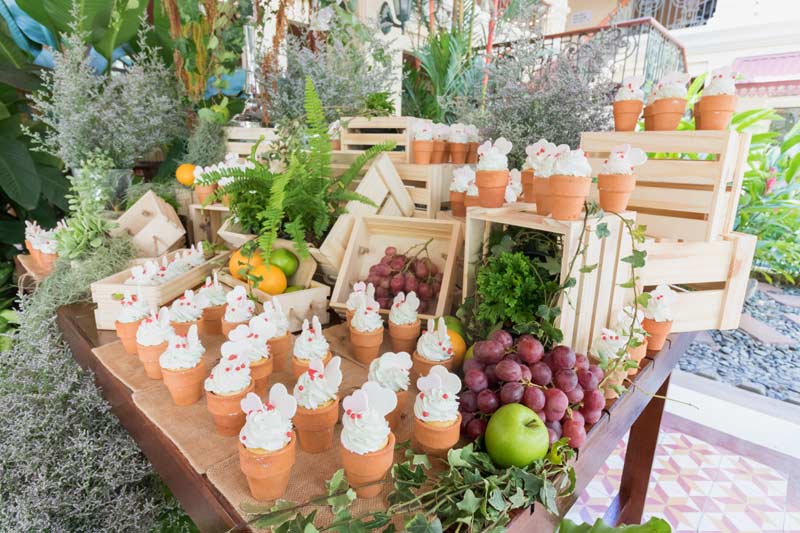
654, 525
206, 144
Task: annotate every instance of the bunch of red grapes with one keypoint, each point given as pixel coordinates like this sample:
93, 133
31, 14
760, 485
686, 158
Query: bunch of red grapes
405, 273
562, 387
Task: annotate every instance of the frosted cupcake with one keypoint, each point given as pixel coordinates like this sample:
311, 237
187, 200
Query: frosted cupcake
617, 179
152, 338
422, 144
280, 344
718, 101
251, 342
608, 346
473, 141
267, 443
183, 368
185, 312
362, 294
457, 144
310, 344
462, 178
437, 422
238, 311
670, 101
228, 383
434, 348
441, 132
491, 175
211, 300
132, 310
366, 333
628, 103
658, 316
391, 370
570, 182
195, 256
536, 175
367, 442
317, 395
514, 187
404, 323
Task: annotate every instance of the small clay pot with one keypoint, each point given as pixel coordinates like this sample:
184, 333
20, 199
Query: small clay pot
395, 416
404, 336
439, 151
457, 204
421, 152
421, 366
227, 411
637, 354
658, 332
204, 191
567, 194
472, 153
185, 386
617, 378
336, 144
301, 365
366, 345
491, 187
647, 114
227, 327
267, 472
260, 372
615, 191
626, 114
667, 113
211, 321
458, 152
280, 349
435, 438
126, 331
47, 262
149, 356
714, 112
364, 471
541, 195
315, 427
182, 328
35, 254
528, 195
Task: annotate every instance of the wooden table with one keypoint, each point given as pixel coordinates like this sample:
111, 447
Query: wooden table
637, 411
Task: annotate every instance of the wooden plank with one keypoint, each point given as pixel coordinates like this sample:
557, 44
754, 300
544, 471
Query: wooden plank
744, 247
369, 139
699, 310
687, 262
670, 227
391, 122
738, 178
690, 142
586, 288
672, 172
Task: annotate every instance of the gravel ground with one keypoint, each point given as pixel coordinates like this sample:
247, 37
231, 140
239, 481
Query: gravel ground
737, 358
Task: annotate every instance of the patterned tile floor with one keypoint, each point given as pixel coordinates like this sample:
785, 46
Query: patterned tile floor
699, 487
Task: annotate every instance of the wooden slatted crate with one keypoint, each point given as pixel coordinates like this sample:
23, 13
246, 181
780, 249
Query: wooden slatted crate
361, 133
206, 222
594, 301
153, 225
678, 197
240, 141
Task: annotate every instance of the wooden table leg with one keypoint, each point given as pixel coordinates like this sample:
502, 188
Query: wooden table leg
628, 506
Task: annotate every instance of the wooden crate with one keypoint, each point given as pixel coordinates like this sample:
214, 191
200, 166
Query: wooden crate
153, 225
361, 133
372, 234
685, 199
593, 302
106, 292
710, 277
240, 140
206, 222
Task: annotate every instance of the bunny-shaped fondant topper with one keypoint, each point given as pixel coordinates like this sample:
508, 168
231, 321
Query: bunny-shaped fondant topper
370, 397
330, 373
501, 146
441, 331
721, 81
261, 328
401, 360
439, 379
191, 340
572, 163
280, 401
633, 83
410, 300
675, 78
622, 159
163, 316
237, 296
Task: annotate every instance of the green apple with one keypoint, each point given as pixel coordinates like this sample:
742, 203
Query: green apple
455, 324
516, 436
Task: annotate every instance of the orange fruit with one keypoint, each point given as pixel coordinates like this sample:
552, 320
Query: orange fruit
459, 347
239, 262
273, 280
185, 174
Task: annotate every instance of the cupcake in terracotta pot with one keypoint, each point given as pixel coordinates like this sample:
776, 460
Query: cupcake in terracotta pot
434, 348
367, 449
404, 323
491, 176
437, 422
366, 333
183, 368
152, 339
462, 177
239, 309
310, 344
132, 311
251, 342
536, 176
211, 300
280, 343
226, 386
267, 443
658, 316
514, 187
608, 346
473, 141
441, 132
391, 371
570, 182
317, 395
458, 144
629, 324
185, 312
335, 134
362, 294
628, 103
616, 179
422, 144
670, 101
718, 102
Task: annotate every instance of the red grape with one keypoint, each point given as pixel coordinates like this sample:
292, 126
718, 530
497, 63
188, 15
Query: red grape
488, 402
553, 435
472, 364
566, 380
555, 425
385, 303
383, 270
437, 286
511, 393
575, 395
397, 283
574, 431
597, 371
433, 268
563, 356
526, 372
381, 292
491, 375
591, 416
541, 373
587, 380
424, 290
411, 282
533, 398
386, 259
581, 362
541, 415
556, 400
575, 415
468, 402
397, 263
488, 351
503, 337
529, 349
465, 419
476, 428
384, 282
421, 269
476, 380
508, 370
390, 250
594, 400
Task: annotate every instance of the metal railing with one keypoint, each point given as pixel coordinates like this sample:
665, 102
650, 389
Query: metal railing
672, 14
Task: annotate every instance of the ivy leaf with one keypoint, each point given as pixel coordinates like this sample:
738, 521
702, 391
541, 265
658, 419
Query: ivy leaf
628, 284
458, 457
497, 501
518, 499
419, 524
469, 503
552, 265
531, 483
506, 245
571, 282
643, 299
547, 495
636, 259
421, 459
588, 268
602, 230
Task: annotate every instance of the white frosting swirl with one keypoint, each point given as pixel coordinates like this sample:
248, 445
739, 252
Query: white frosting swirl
318, 385
195, 256
366, 319
572, 163
631, 89
659, 307
540, 154
155, 329
276, 317
364, 434
622, 160
462, 178
404, 308
721, 81
231, 375
673, 85
423, 130
268, 426
311, 343
441, 132
133, 308
211, 293
609, 344
185, 308
240, 307
251, 339
183, 352
437, 400
435, 343
391, 370
472, 190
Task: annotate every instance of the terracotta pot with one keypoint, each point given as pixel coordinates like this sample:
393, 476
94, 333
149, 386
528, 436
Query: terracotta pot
182, 328
366, 345
616, 379
227, 327
626, 114
211, 322
528, 195
491, 187
267, 472
185, 386
315, 427
336, 144
301, 365
280, 349
364, 471
260, 372
458, 152
647, 114
541, 195
457, 204
404, 336
396, 415
204, 191
615, 191
435, 438
658, 332
716, 111
47, 262
637, 354
34, 253
439, 150
421, 366
472, 153
227, 413
149, 356
567, 194
667, 113
421, 152
126, 331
